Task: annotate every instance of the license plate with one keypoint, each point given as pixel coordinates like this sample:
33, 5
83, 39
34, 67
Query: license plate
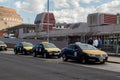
56, 53
101, 59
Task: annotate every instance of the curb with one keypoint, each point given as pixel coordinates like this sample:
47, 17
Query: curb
113, 62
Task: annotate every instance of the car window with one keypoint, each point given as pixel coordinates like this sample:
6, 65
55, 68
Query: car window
87, 47
27, 44
1, 42
71, 46
75, 47
49, 45
39, 45
19, 45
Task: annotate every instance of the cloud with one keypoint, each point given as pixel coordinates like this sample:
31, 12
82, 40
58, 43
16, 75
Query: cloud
3, 0
89, 1
74, 15
71, 13
61, 4
34, 6
69, 10
110, 7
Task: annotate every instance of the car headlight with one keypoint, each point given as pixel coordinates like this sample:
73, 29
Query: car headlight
92, 55
105, 55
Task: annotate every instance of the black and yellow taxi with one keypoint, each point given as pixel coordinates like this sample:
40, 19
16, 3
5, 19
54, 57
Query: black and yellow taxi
3, 46
84, 53
23, 48
45, 49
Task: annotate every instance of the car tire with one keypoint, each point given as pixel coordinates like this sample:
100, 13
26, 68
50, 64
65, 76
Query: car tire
24, 52
58, 56
45, 55
34, 54
64, 57
5, 49
15, 52
83, 60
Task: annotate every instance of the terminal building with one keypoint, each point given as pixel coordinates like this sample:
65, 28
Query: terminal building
100, 25
9, 18
97, 19
45, 20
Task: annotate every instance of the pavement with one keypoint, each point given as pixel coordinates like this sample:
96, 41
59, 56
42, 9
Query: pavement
112, 57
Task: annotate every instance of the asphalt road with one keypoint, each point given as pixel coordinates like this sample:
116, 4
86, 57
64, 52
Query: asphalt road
23, 67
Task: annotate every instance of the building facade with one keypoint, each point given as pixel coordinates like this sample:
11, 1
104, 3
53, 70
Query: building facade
22, 29
9, 18
97, 19
45, 20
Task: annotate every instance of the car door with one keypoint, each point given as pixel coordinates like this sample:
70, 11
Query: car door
20, 47
76, 51
40, 48
70, 51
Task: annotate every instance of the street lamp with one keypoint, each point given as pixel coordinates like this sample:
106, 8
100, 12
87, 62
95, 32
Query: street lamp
48, 21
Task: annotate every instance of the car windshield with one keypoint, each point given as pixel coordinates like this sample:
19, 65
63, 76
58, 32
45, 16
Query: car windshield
87, 47
27, 45
1, 42
49, 45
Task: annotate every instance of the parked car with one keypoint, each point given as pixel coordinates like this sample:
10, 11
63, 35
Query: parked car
84, 53
23, 47
45, 49
3, 46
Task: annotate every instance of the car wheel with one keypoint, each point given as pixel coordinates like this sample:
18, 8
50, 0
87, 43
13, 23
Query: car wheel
45, 55
5, 49
64, 57
34, 54
58, 56
15, 52
24, 52
83, 60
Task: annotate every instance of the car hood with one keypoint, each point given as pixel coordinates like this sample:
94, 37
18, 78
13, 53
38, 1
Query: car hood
3, 45
28, 48
94, 52
52, 49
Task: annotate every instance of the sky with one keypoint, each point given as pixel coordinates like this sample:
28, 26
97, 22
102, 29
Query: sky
65, 11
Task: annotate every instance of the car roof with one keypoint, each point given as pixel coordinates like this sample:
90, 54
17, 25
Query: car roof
44, 42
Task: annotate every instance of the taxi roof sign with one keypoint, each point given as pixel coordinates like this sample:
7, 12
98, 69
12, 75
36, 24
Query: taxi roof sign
45, 42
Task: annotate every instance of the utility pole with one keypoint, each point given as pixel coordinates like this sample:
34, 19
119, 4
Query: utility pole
48, 35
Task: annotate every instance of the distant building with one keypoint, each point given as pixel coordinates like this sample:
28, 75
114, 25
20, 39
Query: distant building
97, 19
42, 20
9, 18
60, 26
118, 18
69, 25
20, 29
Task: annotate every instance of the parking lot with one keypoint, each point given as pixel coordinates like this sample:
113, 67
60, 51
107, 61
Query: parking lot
110, 66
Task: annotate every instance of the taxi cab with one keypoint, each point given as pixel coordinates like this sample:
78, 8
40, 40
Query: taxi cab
23, 48
3, 46
45, 49
84, 53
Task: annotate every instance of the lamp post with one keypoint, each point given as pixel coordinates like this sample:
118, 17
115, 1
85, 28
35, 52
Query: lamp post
48, 21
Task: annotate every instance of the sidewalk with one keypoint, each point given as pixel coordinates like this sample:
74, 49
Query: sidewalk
114, 59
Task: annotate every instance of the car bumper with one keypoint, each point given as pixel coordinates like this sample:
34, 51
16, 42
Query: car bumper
54, 54
3, 48
97, 59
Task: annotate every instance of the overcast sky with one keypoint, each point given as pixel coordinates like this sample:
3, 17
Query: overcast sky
70, 11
